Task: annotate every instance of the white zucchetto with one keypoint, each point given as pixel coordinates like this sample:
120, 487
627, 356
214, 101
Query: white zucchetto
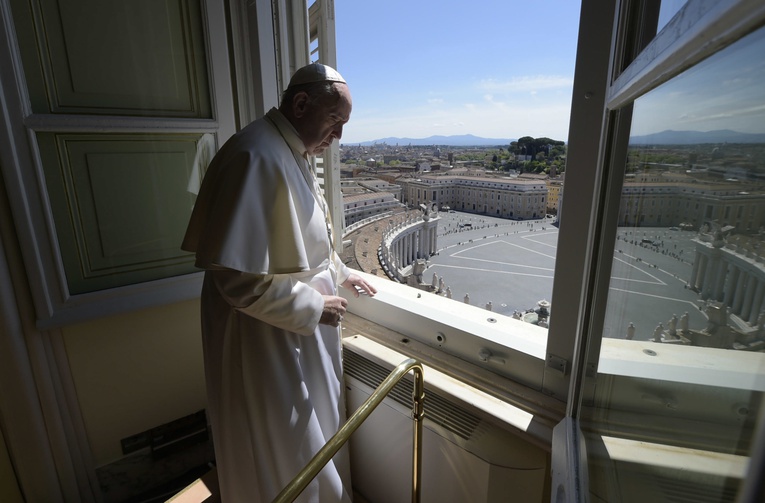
315, 72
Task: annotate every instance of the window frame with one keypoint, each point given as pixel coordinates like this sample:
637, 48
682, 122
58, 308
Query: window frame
698, 30
601, 117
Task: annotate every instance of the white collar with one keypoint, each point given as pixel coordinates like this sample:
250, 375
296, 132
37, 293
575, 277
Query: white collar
288, 131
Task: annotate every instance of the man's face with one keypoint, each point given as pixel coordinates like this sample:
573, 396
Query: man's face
322, 122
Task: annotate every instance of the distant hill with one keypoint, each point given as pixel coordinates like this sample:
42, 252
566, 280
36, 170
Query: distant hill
465, 140
667, 137
670, 137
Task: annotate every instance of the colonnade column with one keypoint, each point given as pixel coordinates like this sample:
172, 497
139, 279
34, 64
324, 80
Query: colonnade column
738, 298
695, 271
427, 238
747, 307
405, 250
708, 278
402, 252
422, 243
722, 273
756, 303
730, 289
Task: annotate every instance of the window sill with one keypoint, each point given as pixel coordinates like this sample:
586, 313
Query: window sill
502, 345
518, 349
633, 393
725, 368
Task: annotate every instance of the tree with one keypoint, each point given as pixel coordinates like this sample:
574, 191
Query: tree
530, 146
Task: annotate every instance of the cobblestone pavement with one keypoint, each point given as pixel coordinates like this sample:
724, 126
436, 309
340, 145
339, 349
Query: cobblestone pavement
511, 264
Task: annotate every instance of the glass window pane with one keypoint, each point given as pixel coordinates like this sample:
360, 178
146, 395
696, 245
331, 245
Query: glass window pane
692, 204
667, 11
681, 364
484, 147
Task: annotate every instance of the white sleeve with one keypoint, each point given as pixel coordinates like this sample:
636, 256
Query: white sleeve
277, 299
343, 271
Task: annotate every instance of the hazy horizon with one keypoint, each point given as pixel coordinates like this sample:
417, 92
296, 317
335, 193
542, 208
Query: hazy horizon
665, 137
422, 69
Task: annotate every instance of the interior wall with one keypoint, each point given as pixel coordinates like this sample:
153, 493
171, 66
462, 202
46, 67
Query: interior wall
135, 371
9, 487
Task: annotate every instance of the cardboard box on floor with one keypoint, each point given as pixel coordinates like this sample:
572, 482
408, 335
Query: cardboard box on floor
203, 490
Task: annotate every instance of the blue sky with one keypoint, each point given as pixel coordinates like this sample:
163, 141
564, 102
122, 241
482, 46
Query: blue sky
491, 68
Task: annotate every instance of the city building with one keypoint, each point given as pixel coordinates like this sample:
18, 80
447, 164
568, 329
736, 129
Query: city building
368, 204
503, 197
365, 198
554, 189
691, 201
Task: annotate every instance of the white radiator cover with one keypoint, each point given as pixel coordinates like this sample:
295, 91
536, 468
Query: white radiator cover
465, 459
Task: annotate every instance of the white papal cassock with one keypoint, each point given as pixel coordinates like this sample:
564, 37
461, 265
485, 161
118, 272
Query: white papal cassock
274, 375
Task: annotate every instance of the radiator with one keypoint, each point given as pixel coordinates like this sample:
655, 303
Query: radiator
465, 459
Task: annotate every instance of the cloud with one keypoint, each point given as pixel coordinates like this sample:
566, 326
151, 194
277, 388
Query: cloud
731, 114
491, 111
702, 111
489, 98
526, 83
489, 119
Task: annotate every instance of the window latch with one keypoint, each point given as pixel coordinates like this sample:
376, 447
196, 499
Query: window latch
486, 355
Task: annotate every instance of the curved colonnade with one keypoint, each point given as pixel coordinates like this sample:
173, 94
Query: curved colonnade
405, 242
733, 274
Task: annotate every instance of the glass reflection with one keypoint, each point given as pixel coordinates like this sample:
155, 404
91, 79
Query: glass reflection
688, 267
667, 11
673, 419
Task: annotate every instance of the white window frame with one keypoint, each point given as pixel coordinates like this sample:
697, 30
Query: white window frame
321, 33
700, 29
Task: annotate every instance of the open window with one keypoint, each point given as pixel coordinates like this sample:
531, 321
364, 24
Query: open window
655, 343
666, 388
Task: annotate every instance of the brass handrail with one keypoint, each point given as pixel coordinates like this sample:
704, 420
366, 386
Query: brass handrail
307, 474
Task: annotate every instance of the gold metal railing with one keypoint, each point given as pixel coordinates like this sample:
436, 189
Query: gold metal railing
294, 488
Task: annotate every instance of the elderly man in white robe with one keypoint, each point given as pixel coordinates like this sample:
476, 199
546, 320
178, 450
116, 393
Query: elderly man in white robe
270, 304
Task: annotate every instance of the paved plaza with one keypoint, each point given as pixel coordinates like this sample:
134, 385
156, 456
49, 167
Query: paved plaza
511, 264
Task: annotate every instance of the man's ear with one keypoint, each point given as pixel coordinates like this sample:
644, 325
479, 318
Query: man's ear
299, 104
